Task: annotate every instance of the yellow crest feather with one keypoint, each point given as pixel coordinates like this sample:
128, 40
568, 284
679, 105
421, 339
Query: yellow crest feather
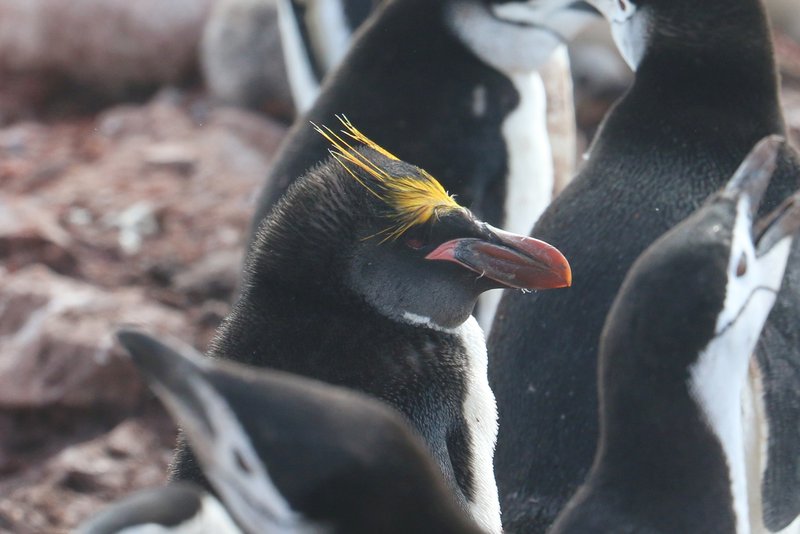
412, 200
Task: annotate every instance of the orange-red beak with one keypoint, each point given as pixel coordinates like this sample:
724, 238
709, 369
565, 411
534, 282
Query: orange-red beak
512, 260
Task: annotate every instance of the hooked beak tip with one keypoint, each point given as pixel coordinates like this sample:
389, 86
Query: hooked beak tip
516, 262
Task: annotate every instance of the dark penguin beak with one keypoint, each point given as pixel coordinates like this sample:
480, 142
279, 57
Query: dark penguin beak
751, 181
173, 375
511, 260
188, 384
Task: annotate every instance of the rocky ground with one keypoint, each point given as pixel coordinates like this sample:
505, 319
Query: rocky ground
135, 214
129, 213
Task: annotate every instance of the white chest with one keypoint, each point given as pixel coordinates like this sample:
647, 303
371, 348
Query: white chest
480, 414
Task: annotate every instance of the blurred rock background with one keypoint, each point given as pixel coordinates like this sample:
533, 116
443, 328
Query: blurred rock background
133, 139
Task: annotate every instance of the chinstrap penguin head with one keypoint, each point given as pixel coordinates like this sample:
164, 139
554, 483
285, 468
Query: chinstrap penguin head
366, 225
715, 275
674, 356
679, 25
516, 36
290, 454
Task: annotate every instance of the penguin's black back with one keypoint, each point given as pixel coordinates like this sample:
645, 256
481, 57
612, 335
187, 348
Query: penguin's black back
408, 82
669, 143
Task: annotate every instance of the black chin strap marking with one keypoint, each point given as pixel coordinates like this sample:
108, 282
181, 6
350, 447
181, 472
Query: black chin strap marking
532, 26
743, 308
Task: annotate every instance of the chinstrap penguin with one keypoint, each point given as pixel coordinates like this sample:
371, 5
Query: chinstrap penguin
673, 368
705, 92
287, 454
365, 276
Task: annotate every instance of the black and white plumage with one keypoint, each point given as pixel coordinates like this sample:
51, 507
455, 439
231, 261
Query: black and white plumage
705, 92
365, 276
673, 368
286, 454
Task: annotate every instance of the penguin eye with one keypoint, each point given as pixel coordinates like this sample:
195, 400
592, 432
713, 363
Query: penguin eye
414, 243
623, 5
741, 269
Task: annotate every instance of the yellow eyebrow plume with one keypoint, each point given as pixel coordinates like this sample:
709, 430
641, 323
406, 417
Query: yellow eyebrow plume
412, 200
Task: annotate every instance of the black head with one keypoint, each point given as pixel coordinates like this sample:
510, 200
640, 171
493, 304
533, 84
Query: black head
365, 225
713, 276
682, 25
286, 453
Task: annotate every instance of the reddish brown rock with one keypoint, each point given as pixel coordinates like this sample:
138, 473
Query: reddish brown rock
143, 192
56, 344
151, 203
58, 492
30, 233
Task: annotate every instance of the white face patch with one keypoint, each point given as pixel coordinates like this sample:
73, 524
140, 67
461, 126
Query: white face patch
552, 15
749, 276
512, 38
719, 377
